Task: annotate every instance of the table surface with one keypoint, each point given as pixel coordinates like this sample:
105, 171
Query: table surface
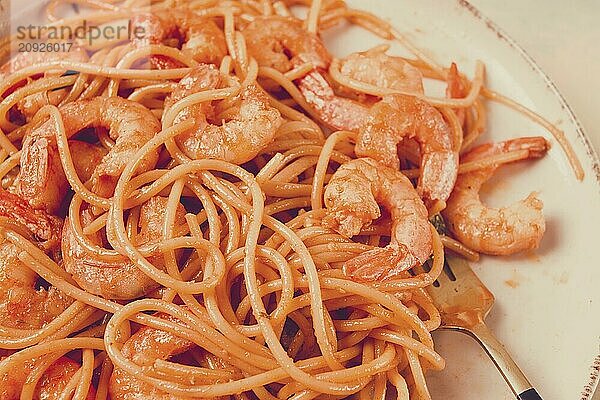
563, 39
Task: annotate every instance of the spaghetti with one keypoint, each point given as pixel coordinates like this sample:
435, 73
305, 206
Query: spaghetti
243, 288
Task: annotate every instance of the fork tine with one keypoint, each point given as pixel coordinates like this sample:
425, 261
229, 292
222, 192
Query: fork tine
443, 278
461, 268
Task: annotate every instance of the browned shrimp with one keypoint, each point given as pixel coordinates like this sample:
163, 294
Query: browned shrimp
143, 348
117, 279
282, 43
42, 180
244, 130
497, 231
353, 196
50, 386
199, 38
398, 117
377, 68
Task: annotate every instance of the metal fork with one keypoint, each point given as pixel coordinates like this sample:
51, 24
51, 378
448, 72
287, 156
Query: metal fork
464, 302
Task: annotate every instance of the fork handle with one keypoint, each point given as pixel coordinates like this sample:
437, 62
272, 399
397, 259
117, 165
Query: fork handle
512, 374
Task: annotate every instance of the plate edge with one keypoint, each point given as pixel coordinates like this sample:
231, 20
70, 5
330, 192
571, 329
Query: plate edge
594, 370
580, 131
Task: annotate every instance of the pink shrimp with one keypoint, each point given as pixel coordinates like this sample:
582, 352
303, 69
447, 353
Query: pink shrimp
497, 231
117, 279
247, 127
398, 117
22, 306
199, 38
281, 43
42, 180
46, 228
144, 347
352, 198
50, 386
377, 68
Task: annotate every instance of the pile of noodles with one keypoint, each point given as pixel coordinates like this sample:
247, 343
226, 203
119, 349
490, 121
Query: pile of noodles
261, 292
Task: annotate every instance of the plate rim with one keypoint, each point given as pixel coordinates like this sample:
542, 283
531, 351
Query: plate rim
594, 377
502, 35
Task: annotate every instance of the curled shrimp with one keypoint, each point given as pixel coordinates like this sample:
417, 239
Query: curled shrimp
51, 384
274, 40
398, 117
199, 38
282, 43
42, 180
143, 348
120, 278
352, 198
497, 231
377, 68
245, 128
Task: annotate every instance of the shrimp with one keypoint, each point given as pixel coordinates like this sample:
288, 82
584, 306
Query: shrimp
144, 347
45, 228
281, 43
247, 127
29, 106
273, 40
51, 384
22, 306
497, 231
397, 117
199, 38
377, 68
118, 279
352, 198
88, 157
42, 180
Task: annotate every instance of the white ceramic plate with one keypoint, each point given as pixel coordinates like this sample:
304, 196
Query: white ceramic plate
547, 309
547, 302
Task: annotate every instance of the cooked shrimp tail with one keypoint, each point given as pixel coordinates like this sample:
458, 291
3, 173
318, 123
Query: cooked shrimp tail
335, 111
